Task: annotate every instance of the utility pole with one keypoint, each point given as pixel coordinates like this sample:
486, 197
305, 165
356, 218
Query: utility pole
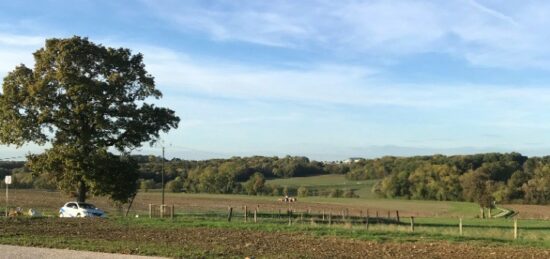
7, 199
162, 176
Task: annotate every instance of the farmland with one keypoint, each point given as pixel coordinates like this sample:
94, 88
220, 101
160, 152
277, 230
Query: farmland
203, 237
200, 228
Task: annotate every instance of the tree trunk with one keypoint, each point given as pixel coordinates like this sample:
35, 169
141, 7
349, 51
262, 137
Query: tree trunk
82, 189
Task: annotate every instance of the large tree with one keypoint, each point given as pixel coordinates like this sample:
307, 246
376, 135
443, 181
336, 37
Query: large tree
84, 99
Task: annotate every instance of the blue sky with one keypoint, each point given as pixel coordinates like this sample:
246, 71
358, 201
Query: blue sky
325, 79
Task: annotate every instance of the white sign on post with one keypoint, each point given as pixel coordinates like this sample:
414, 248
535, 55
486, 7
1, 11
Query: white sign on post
7, 179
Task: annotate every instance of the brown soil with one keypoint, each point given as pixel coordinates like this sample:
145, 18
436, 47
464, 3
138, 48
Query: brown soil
217, 242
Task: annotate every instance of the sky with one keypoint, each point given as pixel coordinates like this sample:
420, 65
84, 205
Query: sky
324, 79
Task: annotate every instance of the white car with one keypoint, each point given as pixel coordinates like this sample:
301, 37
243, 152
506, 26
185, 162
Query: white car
80, 209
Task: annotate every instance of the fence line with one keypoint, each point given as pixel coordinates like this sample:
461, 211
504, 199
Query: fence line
328, 218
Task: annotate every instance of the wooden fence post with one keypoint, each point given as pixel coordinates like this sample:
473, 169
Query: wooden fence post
460, 226
343, 216
376, 214
330, 218
229, 214
323, 215
397, 216
289, 219
172, 212
150, 210
412, 224
161, 210
515, 229
245, 214
255, 215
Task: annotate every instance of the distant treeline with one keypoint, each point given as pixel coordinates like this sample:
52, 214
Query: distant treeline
235, 175
483, 178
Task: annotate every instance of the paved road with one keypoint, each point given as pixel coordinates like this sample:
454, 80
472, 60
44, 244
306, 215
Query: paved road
22, 252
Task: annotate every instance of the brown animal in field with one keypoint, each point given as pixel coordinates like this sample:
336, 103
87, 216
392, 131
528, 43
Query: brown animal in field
15, 212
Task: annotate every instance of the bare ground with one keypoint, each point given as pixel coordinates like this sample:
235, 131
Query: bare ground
221, 242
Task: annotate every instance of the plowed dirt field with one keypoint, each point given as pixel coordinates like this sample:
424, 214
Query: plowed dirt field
238, 243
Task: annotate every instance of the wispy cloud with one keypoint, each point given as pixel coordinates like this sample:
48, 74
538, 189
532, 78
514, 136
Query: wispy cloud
513, 38
321, 83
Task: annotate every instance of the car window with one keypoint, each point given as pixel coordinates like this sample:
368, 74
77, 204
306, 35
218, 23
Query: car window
86, 205
71, 205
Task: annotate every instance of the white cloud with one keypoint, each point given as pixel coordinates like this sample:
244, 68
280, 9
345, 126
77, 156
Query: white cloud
477, 31
321, 83
17, 49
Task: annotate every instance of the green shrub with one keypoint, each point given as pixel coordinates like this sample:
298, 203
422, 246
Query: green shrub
303, 191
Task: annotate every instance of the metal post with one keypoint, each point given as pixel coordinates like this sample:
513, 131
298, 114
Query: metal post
7, 200
515, 229
162, 176
460, 226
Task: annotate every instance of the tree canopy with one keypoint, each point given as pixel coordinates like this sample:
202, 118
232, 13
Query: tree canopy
84, 98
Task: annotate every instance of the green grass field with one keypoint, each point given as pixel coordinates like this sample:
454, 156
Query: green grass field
324, 182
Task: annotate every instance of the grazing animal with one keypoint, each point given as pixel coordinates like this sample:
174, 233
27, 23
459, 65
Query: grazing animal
15, 213
34, 213
287, 199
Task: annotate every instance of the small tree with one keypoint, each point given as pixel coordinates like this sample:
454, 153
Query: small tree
255, 184
478, 188
146, 185
303, 191
350, 193
335, 193
175, 185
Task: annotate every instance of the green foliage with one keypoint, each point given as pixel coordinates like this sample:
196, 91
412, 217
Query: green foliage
146, 185
303, 191
335, 193
83, 98
255, 185
350, 193
175, 185
537, 189
483, 178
